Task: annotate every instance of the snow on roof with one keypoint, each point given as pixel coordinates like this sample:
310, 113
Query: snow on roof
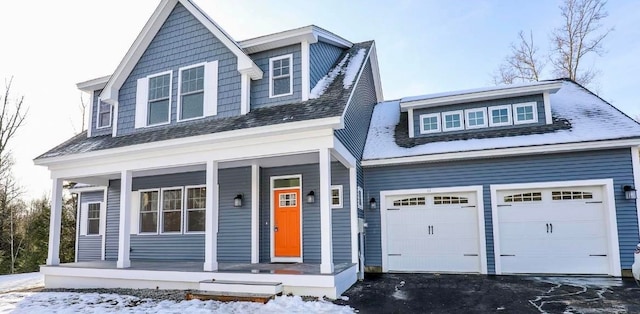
591, 119
475, 90
350, 72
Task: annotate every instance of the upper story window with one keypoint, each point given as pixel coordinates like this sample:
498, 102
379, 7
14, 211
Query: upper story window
191, 100
429, 123
525, 113
500, 115
452, 121
476, 118
104, 115
159, 99
280, 78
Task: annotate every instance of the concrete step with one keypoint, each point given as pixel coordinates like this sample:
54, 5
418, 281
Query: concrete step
228, 286
229, 297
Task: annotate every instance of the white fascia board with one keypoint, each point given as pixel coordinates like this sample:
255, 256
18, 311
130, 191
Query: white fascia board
310, 34
236, 135
88, 189
551, 87
93, 84
504, 152
375, 70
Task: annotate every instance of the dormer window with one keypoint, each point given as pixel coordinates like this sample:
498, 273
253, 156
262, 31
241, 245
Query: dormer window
159, 99
476, 118
500, 115
280, 79
429, 123
104, 115
525, 113
191, 102
452, 121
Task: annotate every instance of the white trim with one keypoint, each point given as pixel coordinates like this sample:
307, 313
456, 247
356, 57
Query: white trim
124, 227
149, 77
547, 108
255, 213
211, 217
186, 210
55, 222
360, 198
479, 126
635, 163
274, 258
93, 84
103, 250
271, 60
98, 127
472, 96
151, 28
340, 195
490, 115
480, 213
411, 123
309, 33
78, 217
353, 202
443, 116
375, 71
305, 69
114, 128
342, 153
430, 115
140, 232
610, 216
534, 110
161, 209
503, 152
245, 94
179, 96
326, 220
89, 118
87, 189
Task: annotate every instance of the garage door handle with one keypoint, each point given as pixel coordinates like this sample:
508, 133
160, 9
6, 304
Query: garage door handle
507, 255
598, 255
503, 205
594, 202
393, 208
394, 254
470, 254
468, 206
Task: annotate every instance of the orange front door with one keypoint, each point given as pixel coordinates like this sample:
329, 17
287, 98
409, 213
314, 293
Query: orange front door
286, 222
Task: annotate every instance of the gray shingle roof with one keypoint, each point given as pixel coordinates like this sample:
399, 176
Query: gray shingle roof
329, 104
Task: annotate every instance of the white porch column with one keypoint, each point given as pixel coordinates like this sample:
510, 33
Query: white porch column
326, 234
125, 219
53, 258
211, 220
255, 213
353, 201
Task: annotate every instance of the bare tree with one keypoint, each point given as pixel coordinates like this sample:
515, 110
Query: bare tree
523, 64
12, 115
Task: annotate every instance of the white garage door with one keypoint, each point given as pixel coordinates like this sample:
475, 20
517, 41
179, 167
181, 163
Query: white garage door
432, 232
558, 230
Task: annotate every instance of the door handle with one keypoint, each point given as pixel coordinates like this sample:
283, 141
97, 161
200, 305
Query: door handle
547, 228
275, 228
551, 227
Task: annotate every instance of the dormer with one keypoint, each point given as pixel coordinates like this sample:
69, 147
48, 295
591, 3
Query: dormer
480, 110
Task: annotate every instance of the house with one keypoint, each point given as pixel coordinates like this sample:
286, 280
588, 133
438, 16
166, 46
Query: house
274, 165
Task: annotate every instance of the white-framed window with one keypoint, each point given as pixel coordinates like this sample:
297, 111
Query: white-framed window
336, 196
196, 199
281, 76
476, 118
500, 115
171, 219
191, 92
452, 121
447, 199
360, 198
523, 197
159, 100
103, 115
411, 201
525, 113
429, 123
571, 195
149, 203
93, 219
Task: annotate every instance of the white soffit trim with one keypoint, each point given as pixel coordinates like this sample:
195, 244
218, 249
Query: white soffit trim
311, 34
151, 28
503, 152
551, 87
284, 128
93, 84
375, 70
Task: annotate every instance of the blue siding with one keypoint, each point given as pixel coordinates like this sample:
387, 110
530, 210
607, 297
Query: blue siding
310, 213
480, 104
322, 57
234, 230
260, 88
182, 41
603, 164
89, 247
94, 117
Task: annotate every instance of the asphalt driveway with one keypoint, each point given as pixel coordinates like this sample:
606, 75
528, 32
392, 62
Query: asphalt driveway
433, 293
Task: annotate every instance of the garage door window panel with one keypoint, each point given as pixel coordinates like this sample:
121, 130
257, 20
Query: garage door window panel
447, 200
411, 201
571, 195
523, 197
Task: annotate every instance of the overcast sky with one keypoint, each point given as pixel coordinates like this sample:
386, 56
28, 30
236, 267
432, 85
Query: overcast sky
423, 47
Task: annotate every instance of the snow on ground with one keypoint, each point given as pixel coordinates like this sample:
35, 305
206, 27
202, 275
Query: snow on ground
591, 120
68, 302
21, 281
349, 69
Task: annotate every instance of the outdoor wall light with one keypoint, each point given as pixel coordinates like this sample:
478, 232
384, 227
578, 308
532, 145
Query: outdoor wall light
372, 203
237, 201
311, 197
630, 192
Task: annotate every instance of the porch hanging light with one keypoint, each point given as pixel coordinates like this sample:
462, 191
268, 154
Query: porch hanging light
372, 203
237, 201
311, 197
630, 192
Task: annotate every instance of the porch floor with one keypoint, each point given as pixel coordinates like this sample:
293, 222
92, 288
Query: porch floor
197, 266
